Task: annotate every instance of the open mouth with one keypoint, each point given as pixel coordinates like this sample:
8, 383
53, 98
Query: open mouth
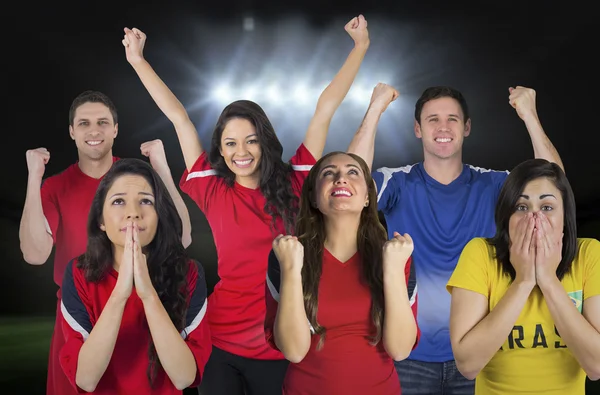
443, 140
341, 192
94, 143
243, 163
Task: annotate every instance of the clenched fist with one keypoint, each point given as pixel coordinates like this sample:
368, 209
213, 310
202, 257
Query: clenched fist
396, 253
133, 41
523, 100
155, 151
382, 96
36, 162
289, 252
357, 29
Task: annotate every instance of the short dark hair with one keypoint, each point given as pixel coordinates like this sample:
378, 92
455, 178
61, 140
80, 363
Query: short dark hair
92, 97
437, 92
512, 189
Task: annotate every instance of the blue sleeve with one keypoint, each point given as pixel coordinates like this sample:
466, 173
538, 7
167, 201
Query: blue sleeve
498, 178
389, 184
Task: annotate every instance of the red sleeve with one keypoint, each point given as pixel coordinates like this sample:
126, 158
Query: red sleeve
76, 323
201, 183
301, 162
50, 207
196, 332
413, 299
272, 298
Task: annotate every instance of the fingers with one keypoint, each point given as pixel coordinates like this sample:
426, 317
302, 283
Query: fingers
358, 22
402, 238
528, 234
136, 235
546, 233
129, 237
520, 232
362, 20
138, 33
132, 34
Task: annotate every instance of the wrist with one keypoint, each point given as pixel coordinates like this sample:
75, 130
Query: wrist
34, 181
162, 168
530, 117
362, 45
136, 61
375, 110
291, 274
393, 272
547, 282
117, 300
151, 298
525, 283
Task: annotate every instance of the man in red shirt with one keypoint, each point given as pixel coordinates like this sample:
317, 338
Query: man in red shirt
56, 211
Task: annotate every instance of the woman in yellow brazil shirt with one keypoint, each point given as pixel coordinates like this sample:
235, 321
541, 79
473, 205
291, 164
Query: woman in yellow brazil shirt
525, 313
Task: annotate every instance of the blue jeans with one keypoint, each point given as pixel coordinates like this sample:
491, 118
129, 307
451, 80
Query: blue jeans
432, 378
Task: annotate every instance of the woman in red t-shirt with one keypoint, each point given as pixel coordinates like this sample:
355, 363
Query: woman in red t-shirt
133, 304
342, 275
248, 195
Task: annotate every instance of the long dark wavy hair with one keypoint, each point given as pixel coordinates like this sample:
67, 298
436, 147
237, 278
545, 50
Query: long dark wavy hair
166, 257
507, 204
281, 202
371, 236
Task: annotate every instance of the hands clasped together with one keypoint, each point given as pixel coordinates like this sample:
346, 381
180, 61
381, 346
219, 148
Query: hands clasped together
535, 251
133, 270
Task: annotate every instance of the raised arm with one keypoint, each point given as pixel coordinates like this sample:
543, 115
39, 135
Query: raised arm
523, 101
291, 331
336, 91
187, 134
155, 151
34, 230
363, 143
400, 330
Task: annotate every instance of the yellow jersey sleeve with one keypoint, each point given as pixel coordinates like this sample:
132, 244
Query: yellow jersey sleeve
474, 268
590, 253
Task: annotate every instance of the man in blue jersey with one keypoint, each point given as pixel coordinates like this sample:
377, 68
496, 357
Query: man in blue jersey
442, 203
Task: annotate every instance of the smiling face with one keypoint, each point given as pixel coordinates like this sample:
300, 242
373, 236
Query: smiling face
240, 149
129, 199
442, 128
93, 130
340, 186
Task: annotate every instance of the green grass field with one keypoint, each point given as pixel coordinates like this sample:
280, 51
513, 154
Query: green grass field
24, 345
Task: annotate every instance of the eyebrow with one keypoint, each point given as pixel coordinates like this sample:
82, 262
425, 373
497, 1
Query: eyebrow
247, 137
541, 196
139, 193
99, 119
335, 167
436, 115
